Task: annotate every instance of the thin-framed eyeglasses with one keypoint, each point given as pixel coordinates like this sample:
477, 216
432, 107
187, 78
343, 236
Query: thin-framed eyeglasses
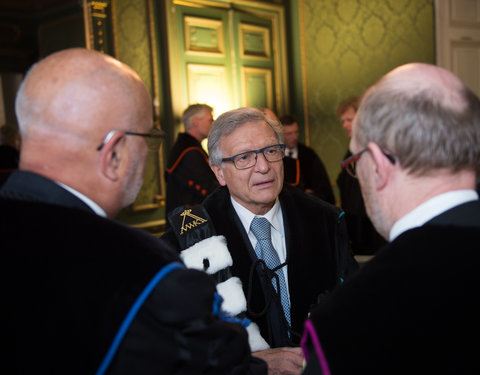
153, 138
349, 164
248, 159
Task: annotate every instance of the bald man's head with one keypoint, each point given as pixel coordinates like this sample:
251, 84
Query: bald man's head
77, 91
66, 106
424, 116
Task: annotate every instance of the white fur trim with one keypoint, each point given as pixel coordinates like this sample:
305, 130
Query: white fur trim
215, 250
234, 301
255, 339
212, 248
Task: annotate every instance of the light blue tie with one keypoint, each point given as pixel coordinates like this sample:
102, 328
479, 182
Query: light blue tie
260, 227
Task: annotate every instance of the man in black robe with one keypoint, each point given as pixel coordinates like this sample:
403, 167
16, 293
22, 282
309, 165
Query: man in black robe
413, 308
189, 177
82, 294
308, 235
303, 167
364, 239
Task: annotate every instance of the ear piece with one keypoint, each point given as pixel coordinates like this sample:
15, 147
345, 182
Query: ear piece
110, 157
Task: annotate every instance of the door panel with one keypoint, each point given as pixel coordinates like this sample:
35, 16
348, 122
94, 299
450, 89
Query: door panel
465, 60
208, 83
458, 39
226, 55
255, 60
257, 87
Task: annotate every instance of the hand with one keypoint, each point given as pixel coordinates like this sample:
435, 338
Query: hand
282, 361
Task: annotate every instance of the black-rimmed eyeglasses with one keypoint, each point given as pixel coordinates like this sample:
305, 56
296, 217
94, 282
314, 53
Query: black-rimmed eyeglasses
350, 163
153, 138
248, 159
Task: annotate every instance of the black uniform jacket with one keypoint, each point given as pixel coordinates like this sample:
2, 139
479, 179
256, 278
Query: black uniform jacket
8, 162
188, 175
364, 239
308, 172
318, 257
414, 308
69, 279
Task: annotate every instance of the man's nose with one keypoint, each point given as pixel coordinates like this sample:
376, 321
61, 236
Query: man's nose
262, 162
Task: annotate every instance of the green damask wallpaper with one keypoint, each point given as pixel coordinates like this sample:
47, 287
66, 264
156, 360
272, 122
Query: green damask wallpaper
132, 42
348, 45
132, 38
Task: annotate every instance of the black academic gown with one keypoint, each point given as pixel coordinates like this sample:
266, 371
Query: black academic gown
413, 308
9, 157
318, 258
70, 279
364, 239
308, 172
188, 175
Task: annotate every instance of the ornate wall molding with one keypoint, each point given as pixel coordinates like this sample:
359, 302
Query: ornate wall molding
98, 26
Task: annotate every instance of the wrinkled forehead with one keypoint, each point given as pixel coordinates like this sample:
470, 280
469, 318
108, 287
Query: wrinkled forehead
249, 134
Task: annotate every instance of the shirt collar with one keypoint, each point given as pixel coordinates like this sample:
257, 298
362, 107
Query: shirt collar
430, 209
246, 216
95, 207
293, 151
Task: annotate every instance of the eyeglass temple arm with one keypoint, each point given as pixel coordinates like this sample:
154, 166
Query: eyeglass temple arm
355, 157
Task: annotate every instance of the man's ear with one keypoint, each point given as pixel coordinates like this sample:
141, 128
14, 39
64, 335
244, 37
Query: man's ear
383, 168
110, 156
219, 173
193, 122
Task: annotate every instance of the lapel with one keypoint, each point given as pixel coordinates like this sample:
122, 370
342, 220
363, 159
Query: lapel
220, 207
228, 224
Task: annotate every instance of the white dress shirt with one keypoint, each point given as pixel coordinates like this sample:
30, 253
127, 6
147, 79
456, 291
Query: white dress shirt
292, 152
430, 209
95, 207
275, 218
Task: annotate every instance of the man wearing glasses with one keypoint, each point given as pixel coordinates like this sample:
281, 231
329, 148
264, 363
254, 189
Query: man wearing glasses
82, 294
364, 239
416, 153
306, 236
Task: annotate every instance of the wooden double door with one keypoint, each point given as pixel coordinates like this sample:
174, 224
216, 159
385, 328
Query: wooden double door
226, 55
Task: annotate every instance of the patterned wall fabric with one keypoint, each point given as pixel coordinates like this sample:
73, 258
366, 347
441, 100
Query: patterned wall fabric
133, 48
133, 39
349, 44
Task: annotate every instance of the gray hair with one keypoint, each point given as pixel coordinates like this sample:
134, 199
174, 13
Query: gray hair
227, 122
426, 123
194, 110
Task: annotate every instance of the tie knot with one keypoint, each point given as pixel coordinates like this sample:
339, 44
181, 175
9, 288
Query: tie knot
260, 228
